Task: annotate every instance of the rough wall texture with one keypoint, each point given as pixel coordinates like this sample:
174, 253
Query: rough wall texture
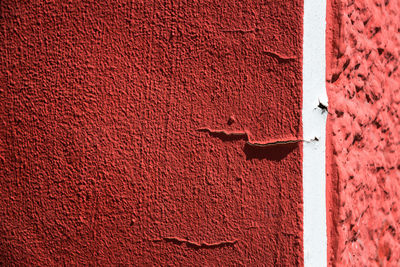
363, 147
130, 132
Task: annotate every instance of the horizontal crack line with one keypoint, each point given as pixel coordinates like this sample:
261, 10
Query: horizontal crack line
275, 143
279, 56
179, 241
244, 135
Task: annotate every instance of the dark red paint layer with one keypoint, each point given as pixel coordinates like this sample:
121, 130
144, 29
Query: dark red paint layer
102, 160
363, 143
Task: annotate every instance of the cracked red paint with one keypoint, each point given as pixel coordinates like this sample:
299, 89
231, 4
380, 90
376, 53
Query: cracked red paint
100, 149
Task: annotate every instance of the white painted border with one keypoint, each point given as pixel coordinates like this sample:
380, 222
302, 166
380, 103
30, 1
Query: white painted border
314, 123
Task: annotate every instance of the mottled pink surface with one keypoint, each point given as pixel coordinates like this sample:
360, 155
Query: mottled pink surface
363, 147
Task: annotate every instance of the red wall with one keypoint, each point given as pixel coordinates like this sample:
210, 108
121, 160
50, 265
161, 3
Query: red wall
102, 158
363, 45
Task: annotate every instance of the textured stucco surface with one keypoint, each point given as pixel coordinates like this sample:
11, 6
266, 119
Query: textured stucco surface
363, 147
102, 160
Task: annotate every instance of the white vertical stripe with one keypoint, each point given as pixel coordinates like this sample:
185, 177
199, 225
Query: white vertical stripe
314, 123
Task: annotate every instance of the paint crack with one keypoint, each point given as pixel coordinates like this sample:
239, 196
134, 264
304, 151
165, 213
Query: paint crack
226, 135
279, 57
197, 245
272, 150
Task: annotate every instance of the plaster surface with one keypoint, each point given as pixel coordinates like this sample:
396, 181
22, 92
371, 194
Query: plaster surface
103, 160
363, 133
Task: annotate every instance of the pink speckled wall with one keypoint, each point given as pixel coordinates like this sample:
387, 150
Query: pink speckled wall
363, 83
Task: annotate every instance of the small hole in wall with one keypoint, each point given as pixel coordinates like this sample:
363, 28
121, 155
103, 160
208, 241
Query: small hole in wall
323, 107
368, 98
231, 120
339, 113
